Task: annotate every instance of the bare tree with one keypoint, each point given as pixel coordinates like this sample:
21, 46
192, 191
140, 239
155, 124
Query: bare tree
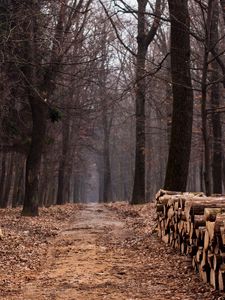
181, 132
144, 40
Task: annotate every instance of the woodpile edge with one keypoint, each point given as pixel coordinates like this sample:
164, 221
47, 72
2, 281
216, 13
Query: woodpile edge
195, 225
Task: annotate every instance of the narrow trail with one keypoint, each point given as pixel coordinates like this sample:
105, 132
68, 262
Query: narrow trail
78, 267
101, 256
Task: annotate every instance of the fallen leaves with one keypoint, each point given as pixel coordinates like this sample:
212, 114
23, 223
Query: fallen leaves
102, 252
24, 243
170, 275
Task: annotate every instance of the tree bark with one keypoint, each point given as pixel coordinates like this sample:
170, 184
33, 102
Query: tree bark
181, 131
222, 3
207, 158
43, 183
3, 176
107, 186
18, 171
215, 104
205, 133
138, 195
100, 165
38, 111
143, 40
33, 164
9, 180
61, 196
19, 199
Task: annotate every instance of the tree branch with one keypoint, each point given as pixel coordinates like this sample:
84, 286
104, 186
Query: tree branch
116, 31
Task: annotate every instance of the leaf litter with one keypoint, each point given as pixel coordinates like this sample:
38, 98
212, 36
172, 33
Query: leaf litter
93, 252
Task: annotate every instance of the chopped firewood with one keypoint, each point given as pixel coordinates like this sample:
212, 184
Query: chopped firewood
195, 225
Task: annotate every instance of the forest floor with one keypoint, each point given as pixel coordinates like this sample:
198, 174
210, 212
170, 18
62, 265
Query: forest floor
93, 252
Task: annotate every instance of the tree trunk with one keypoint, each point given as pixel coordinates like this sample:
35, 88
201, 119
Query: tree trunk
201, 174
61, 197
107, 187
207, 170
39, 117
44, 179
19, 199
138, 195
75, 189
144, 39
39, 112
9, 180
215, 103
181, 131
205, 134
3, 176
100, 165
222, 3
16, 187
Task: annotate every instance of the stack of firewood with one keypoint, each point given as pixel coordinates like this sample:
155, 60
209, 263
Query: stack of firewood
195, 225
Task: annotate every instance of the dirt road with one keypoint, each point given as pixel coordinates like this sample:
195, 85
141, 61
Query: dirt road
78, 266
103, 255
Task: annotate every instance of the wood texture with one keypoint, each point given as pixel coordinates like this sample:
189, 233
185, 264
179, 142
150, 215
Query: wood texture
194, 225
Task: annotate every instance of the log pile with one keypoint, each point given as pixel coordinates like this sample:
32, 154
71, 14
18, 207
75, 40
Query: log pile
195, 225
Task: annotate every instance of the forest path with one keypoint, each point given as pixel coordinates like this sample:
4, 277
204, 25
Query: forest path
78, 266
102, 256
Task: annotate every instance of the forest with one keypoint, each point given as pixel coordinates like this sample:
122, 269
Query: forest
112, 142
110, 100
